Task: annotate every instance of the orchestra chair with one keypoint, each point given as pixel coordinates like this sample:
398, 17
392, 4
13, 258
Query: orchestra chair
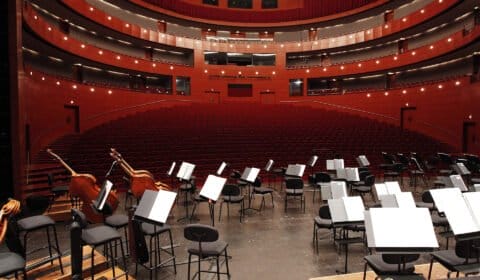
57, 191
154, 232
205, 244
28, 225
231, 194
258, 189
415, 172
322, 221
391, 265
294, 189
366, 187
101, 235
465, 258
119, 221
197, 199
12, 263
395, 173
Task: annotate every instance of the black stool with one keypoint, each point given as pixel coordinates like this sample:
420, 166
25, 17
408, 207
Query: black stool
12, 263
38, 222
154, 232
117, 222
98, 236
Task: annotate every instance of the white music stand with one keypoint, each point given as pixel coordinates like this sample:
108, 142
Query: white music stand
387, 188
170, 170
398, 200
155, 206
295, 170
250, 174
269, 165
212, 188
350, 174
333, 190
101, 199
363, 161
346, 209
185, 171
312, 161
408, 229
221, 168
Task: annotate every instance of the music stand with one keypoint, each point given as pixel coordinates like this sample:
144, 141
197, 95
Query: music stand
99, 203
400, 231
249, 176
333, 190
347, 214
268, 168
170, 171
154, 208
184, 174
212, 188
398, 200
221, 168
363, 161
295, 170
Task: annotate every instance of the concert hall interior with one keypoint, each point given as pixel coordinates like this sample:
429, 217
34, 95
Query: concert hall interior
240, 139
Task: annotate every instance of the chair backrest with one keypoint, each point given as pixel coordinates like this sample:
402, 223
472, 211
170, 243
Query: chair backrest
257, 183
369, 180
294, 183
467, 248
399, 259
322, 177
427, 197
388, 158
79, 217
416, 164
324, 212
200, 233
230, 190
363, 174
397, 167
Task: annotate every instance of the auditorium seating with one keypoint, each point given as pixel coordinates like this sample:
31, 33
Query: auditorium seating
241, 134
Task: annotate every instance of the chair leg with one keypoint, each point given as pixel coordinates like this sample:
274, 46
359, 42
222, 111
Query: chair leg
365, 271
218, 267
172, 252
226, 263
220, 211
199, 261
124, 259
49, 245
430, 269
58, 249
92, 272
273, 204
189, 261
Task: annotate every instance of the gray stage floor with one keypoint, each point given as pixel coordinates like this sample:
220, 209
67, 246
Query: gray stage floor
269, 244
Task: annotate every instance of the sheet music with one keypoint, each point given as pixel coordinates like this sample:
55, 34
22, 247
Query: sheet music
269, 165
330, 164
338, 163
443, 197
338, 189
476, 187
400, 228
170, 170
221, 168
185, 171
457, 181
296, 170
341, 173
155, 206
459, 214
473, 202
99, 203
393, 187
352, 174
312, 161
250, 174
346, 209
212, 188
398, 200
461, 169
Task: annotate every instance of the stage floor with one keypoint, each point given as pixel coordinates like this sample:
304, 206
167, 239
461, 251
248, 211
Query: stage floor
270, 244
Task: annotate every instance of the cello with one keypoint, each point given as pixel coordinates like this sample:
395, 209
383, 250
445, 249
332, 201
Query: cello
12, 207
140, 180
84, 186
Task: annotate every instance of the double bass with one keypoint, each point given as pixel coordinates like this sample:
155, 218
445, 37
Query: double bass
140, 180
85, 187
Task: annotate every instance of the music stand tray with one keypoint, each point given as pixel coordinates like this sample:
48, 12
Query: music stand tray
155, 206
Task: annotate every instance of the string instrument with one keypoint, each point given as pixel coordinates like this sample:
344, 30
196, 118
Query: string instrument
85, 187
140, 180
12, 207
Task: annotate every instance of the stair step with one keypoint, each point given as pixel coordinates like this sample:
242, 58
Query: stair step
52, 272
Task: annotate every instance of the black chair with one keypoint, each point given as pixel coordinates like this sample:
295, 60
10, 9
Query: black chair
57, 191
366, 187
465, 258
100, 235
294, 189
396, 172
154, 254
12, 263
119, 221
206, 245
391, 265
231, 194
415, 172
28, 225
197, 199
258, 189
322, 221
